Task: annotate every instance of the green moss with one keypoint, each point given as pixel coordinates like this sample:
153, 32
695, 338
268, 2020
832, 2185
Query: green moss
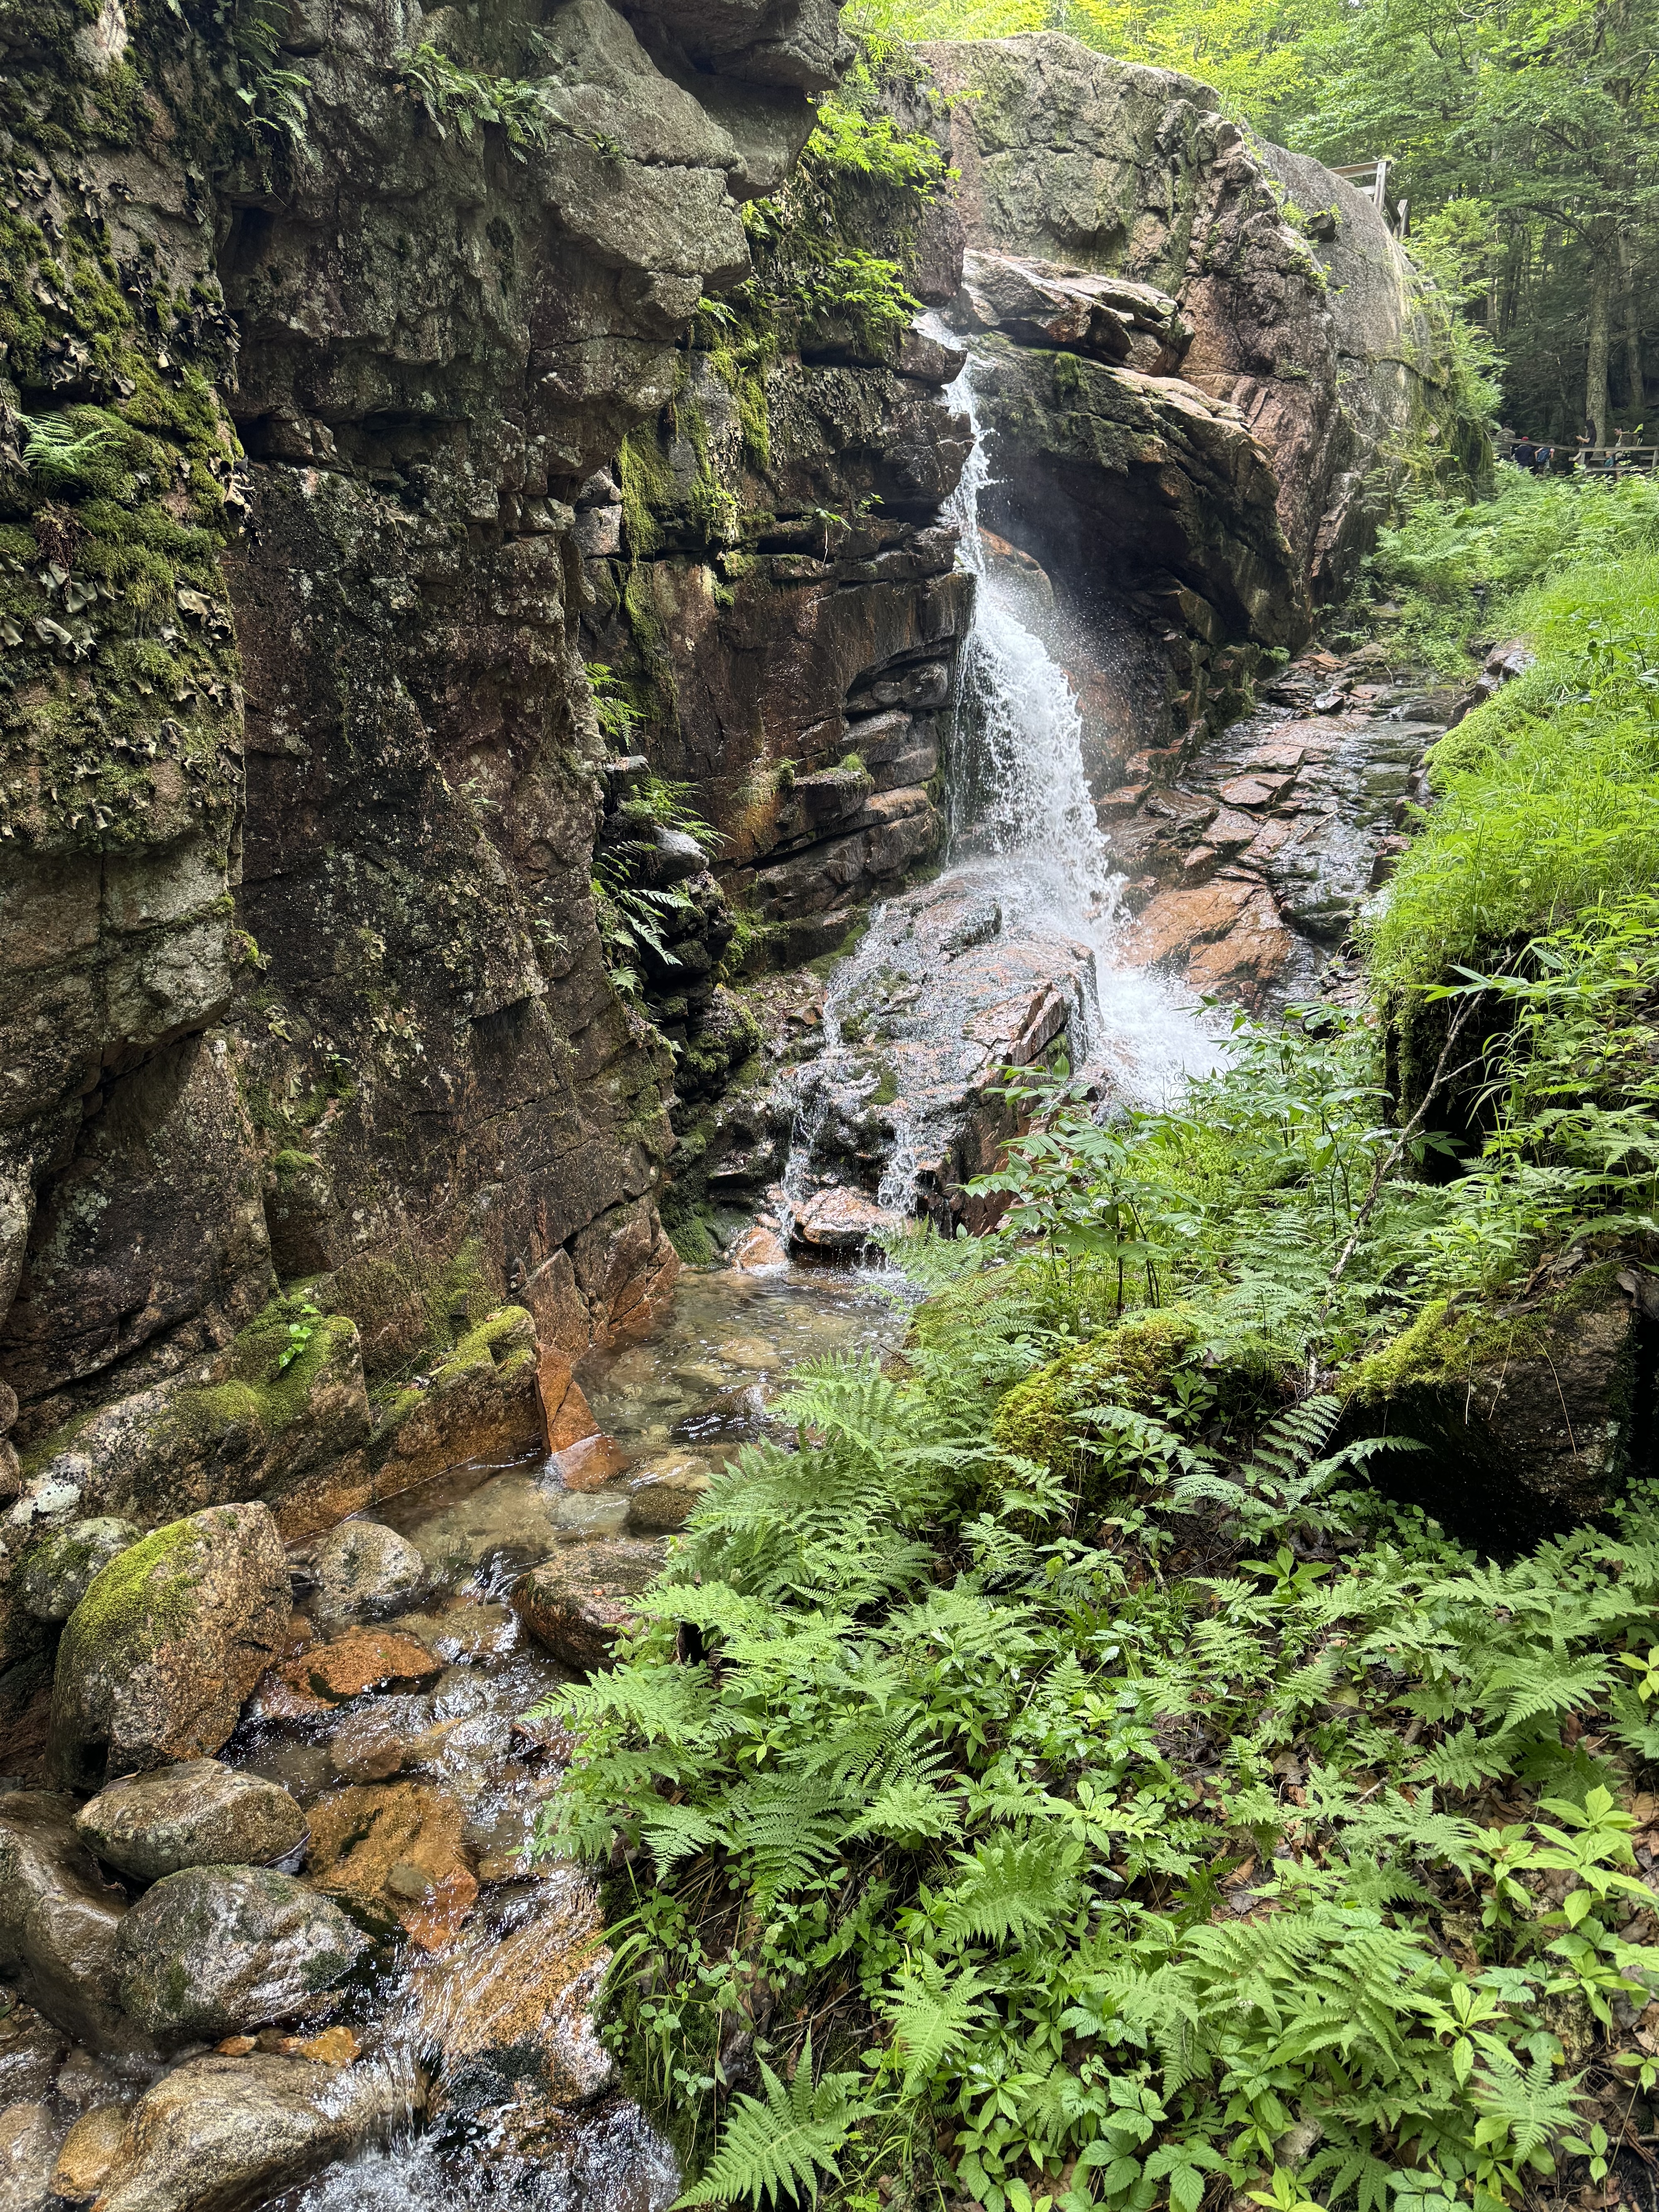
1450, 1343
1127, 1365
646, 487
130, 1596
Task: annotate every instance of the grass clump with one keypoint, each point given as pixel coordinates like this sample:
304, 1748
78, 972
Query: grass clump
1458, 571
1547, 797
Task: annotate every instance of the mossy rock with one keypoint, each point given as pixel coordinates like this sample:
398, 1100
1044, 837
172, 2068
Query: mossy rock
1531, 1418
169, 1639
1128, 1365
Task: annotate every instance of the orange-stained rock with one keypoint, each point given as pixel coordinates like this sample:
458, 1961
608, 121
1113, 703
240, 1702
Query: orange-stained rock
515, 2012
335, 2046
589, 1464
395, 1848
566, 1413
87, 2152
1224, 933
331, 1673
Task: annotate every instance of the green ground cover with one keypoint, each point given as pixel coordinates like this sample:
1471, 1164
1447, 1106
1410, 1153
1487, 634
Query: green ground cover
1060, 1777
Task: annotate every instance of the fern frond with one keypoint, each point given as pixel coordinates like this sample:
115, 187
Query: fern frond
933, 2016
1009, 1888
778, 2148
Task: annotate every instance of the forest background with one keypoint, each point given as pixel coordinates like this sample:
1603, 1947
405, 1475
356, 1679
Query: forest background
1522, 133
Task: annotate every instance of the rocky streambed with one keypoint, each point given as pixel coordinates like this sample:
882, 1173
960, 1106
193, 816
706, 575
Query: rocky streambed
270, 1919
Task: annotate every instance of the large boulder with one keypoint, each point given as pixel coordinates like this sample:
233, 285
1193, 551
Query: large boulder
58, 1922
1258, 277
168, 1642
214, 1949
195, 1814
222, 2134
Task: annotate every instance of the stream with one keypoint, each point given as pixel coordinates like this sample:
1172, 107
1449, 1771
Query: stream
491, 1992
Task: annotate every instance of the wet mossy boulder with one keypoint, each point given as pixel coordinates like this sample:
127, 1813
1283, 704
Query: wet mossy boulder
59, 1918
216, 1949
286, 1398
158, 1657
1531, 1416
1128, 1365
196, 1813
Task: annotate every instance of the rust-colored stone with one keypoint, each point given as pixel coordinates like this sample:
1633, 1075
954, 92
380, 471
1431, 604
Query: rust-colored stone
588, 1464
396, 1848
331, 1674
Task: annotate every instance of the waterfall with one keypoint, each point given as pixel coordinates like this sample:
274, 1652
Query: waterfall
1020, 811
1026, 863
1015, 783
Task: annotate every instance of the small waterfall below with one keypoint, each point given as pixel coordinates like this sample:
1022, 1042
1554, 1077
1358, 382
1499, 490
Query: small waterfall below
1028, 903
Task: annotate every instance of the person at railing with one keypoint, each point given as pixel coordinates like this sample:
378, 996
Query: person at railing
1524, 452
1504, 442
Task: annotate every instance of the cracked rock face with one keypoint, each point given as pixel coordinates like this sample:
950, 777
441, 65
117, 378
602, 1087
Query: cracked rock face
299, 963
1110, 212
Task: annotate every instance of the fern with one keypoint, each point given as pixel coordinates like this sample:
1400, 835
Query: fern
1009, 1889
933, 2014
779, 2147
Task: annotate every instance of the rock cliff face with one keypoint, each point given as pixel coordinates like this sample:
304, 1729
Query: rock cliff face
301, 970
1195, 347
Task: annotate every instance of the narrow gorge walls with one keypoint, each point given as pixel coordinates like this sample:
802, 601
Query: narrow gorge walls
312, 334
367, 371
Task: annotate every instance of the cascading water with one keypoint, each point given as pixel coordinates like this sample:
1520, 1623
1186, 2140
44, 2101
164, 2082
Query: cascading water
1028, 876
1016, 786
1018, 799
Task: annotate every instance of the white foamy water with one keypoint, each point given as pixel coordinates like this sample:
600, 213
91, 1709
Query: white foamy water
1022, 817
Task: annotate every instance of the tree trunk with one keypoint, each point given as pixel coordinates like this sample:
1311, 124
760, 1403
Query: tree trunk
1635, 389
1596, 366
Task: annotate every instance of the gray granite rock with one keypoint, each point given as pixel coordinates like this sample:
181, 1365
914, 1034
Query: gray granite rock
196, 1813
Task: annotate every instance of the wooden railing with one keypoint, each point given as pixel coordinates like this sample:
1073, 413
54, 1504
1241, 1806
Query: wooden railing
1603, 463
1371, 178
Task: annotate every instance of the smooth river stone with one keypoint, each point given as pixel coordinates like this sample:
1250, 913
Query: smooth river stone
219, 1948
362, 1566
223, 2135
198, 1813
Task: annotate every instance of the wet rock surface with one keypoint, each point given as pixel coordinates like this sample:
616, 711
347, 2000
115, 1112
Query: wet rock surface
166, 1643
509, 2009
59, 1918
950, 986
196, 1813
1250, 858
577, 1606
362, 1567
224, 2133
394, 1850
214, 1949
28, 2139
